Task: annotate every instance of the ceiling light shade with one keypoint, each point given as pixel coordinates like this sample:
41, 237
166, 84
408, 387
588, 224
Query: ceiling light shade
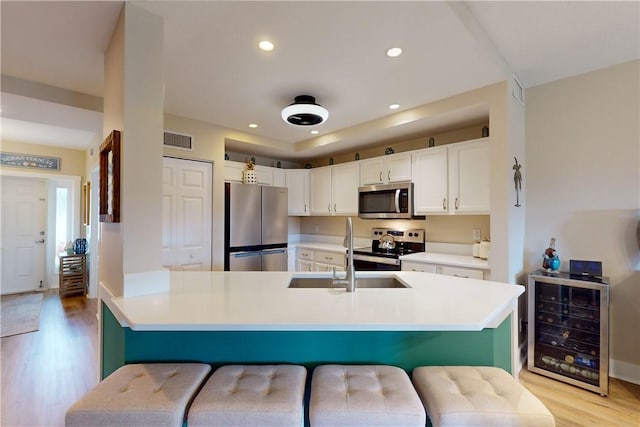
304, 112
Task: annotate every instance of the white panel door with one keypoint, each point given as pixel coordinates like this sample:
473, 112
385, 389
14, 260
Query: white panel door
320, 191
23, 226
297, 181
187, 208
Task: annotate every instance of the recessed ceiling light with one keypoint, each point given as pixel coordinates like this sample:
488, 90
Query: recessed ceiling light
314, 132
266, 45
394, 51
253, 125
394, 106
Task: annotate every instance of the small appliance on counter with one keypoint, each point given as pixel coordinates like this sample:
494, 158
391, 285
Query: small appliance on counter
387, 246
256, 228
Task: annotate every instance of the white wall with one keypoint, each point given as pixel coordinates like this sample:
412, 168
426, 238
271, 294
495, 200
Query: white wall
583, 187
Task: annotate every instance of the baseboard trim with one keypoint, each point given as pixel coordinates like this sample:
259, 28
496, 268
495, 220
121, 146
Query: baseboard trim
624, 371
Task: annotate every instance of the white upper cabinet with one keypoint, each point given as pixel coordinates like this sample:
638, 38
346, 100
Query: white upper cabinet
279, 177
334, 189
233, 170
297, 182
469, 177
430, 181
452, 179
386, 169
320, 191
345, 179
264, 174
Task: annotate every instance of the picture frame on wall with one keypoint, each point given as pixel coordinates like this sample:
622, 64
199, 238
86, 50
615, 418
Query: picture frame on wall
110, 178
86, 203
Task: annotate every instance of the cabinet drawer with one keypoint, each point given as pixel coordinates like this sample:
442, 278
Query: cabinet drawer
470, 273
326, 257
418, 266
305, 254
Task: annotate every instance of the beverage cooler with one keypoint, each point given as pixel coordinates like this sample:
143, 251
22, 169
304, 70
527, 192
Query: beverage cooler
569, 329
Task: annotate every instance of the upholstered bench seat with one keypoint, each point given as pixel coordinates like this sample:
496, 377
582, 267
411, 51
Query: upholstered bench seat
363, 395
251, 395
477, 396
154, 394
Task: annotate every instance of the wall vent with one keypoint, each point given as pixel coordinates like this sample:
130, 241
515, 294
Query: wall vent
517, 90
178, 140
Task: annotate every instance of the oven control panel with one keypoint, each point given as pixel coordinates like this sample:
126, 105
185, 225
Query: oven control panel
412, 235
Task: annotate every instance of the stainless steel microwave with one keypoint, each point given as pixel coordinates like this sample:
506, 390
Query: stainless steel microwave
386, 201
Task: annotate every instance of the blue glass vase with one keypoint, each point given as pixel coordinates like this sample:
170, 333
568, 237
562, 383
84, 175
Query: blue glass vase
80, 246
554, 263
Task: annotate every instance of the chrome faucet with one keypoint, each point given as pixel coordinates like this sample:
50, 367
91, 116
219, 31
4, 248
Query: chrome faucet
348, 243
350, 277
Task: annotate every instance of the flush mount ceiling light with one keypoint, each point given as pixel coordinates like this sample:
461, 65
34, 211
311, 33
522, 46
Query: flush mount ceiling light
266, 45
304, 112
394, 106
393, 52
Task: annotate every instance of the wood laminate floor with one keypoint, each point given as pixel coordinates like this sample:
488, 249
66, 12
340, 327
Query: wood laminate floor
44, 372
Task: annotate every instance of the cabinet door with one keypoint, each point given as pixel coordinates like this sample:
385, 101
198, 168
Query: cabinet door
371, 171
302, 265
469, 165
264, 175
468, 273
297, 182
320, 191
233, 171
418, 266
344, 186
279, 177
397, 167
430, 179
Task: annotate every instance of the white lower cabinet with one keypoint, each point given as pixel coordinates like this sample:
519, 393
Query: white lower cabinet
327, 261
319, 260
418, 266
470, 273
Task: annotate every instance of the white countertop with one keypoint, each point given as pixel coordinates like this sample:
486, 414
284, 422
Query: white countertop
447, 259
260, 301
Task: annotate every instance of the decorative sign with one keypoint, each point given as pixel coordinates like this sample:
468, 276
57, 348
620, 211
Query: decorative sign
30, 161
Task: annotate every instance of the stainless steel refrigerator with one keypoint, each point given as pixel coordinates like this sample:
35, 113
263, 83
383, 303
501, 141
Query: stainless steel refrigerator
256, 232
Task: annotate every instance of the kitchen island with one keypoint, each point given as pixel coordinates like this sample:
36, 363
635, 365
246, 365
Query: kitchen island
253, 317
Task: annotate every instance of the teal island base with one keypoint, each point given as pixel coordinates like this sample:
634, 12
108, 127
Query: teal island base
405, 349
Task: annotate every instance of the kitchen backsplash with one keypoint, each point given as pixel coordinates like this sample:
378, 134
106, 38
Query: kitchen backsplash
439, 228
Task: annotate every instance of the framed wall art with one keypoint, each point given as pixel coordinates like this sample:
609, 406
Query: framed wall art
110, 178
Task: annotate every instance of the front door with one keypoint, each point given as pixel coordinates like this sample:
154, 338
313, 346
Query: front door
23, 223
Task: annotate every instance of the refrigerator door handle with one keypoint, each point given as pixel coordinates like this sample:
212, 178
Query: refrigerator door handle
244, 254
274, 251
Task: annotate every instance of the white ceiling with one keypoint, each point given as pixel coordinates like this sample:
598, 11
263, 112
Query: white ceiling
334, 51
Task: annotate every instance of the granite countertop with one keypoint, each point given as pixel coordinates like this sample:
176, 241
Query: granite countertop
261, 301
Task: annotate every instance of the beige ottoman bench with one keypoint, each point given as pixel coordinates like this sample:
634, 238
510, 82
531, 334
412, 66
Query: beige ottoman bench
153, 394
363, 395
477, 396
251, 395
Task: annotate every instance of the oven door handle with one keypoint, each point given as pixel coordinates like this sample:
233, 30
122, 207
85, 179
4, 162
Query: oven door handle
397, 200
376, 259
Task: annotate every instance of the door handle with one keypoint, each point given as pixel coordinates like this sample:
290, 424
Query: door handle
380, 176
388, 175
457, 204
39, 241
444, 204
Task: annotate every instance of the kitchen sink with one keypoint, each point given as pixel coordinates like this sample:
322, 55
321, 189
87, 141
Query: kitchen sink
361, 282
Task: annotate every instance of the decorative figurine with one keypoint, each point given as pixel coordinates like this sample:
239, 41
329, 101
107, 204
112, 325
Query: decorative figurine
388, 151
357, 156
432, 141
550, 259
517, 180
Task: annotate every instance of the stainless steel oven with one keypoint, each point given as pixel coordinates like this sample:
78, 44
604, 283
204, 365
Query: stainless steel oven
387, 246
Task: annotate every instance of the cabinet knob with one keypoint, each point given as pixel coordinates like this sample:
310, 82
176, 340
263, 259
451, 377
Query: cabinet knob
305, 207
444, 204
380, 179
388, 175
457, 203
329, 207
335, 207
